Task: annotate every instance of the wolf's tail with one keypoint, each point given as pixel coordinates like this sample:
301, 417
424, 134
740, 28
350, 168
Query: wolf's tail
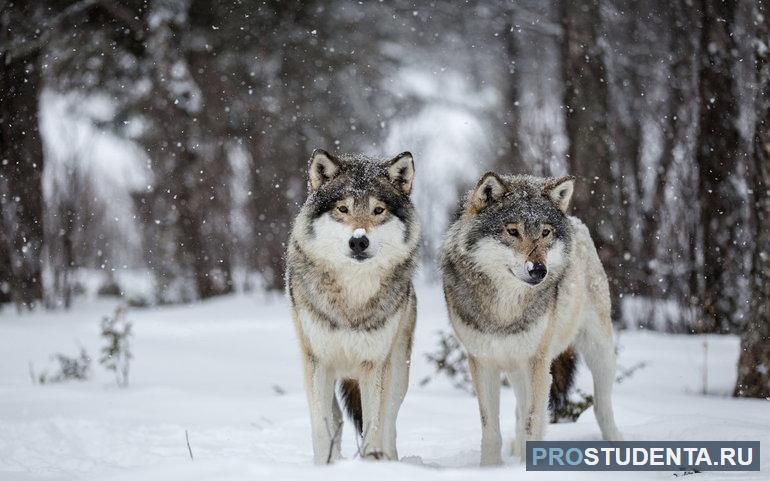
563, 373
351, 400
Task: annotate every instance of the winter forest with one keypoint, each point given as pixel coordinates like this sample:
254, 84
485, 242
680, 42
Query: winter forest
154, 153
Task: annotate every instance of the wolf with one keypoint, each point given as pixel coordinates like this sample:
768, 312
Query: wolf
349, 265
524, 285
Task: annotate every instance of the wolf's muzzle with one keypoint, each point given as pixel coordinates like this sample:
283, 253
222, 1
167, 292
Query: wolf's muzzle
359, 245
537, 272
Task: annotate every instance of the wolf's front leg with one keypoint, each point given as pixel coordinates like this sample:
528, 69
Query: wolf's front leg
373, 383
519, 378
394, 396
486, 381
539, 386
325, 425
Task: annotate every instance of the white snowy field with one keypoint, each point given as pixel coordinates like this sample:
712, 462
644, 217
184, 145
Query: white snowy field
228, 372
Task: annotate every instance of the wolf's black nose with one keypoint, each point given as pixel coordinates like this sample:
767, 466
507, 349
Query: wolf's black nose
537, 271
358, 244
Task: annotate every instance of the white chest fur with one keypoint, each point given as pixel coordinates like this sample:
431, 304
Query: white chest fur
502, 350
359, 283
348, 348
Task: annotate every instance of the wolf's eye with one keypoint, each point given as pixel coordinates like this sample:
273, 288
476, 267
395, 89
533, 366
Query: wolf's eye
378, 210
513, 231
343, 209
546, 232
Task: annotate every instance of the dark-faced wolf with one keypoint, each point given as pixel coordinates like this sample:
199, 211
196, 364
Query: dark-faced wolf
350, 261
523, 285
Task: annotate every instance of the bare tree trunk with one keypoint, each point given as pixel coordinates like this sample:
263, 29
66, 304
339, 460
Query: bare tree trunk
204, 226
189, 247
511, 159
213, 190
626, 73
754, 363
68, 251
586, 109
717, 157
675, 131
21, 167
5, 268
270, 206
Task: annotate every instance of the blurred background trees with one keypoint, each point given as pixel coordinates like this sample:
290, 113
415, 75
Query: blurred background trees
171, 136
753, 374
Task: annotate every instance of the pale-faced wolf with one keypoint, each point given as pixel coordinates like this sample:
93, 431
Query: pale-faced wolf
350, 260
524, 285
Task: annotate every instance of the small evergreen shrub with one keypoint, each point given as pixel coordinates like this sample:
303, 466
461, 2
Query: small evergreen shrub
116, 353
69, 368
570, 411
450, 360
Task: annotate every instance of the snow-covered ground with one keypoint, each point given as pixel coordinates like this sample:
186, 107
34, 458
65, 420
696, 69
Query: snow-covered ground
227, 371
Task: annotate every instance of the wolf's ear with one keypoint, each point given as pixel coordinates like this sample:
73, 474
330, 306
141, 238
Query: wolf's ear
489, 190
560, 190
401, 172
323, 167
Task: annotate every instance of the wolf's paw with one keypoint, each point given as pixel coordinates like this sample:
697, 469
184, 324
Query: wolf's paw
328, 458
491, 459
517, 449
375, 455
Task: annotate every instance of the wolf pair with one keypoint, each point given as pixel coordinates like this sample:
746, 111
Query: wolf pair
523, 285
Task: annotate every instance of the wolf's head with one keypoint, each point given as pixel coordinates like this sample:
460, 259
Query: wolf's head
517, 225
358, 209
